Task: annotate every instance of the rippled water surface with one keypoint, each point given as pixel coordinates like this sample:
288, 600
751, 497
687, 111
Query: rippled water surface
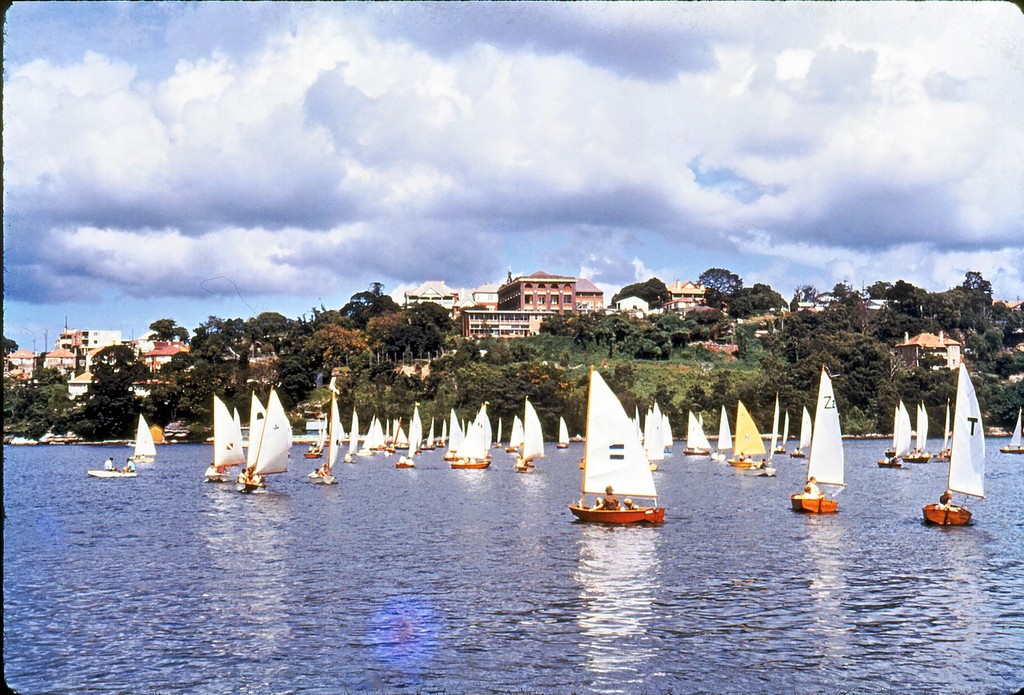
431, 580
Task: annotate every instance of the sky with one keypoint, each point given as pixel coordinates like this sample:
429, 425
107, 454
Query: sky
187, 160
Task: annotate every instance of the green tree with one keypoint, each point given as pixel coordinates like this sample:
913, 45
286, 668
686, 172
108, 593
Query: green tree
110, 407
652, 291
169, 330
368, 304
721, 285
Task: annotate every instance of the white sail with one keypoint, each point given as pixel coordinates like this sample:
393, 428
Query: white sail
775, 430
269, 454
335, 433
922, 428
903, 431
827, 459
614, 455
145, 447
946, 431
666, 433
353, 436
518, 435
455, 435
967, 460
415, 431
724, 435
497, 439
257, 416
785, 431
533, 438
563, 431
805, 430
654, 441
1015, 439
444, 431
430, 435
478, 438
895, 426
695, 437
401, 438
227, 437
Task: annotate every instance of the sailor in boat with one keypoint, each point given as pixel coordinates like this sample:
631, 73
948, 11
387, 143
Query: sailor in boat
129, 466
250, 478
759, 465
108, 465
628, 504
946, 502
811, 490
609, 502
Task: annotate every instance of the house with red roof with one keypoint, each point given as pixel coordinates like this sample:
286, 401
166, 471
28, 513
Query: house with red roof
938, 351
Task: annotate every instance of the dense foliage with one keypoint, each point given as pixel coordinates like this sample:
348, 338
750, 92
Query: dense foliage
386, 359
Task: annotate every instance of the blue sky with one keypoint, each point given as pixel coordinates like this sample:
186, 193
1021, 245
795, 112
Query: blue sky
192, 159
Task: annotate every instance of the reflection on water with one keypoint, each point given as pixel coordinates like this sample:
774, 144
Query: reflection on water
822, 555
617, 573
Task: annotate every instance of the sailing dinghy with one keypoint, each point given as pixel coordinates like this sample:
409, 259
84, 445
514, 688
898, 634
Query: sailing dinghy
533, 439
563, 434
325, 474
748, 442
826, 462
269, 451
614, 458
1014, 447
145, 447
967, 459
805, 436
227, 443
697, 443
473, 451
724, 437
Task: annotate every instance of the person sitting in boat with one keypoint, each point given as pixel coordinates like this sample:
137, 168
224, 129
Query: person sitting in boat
946, 500
129, 466
108, 465
610, 501
811, 490
759, 465
628, 504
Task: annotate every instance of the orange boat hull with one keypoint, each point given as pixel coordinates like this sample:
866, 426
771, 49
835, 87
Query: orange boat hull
822, 505
741, 463
696, 452
889, 464
471, 466
1011, 450
650, 515
797, 454
918, 459
403, 465
935, 514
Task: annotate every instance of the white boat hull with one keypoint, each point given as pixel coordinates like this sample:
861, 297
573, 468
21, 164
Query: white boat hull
102, 473
324, 480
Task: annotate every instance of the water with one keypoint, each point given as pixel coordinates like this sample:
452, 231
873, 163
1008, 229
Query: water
435, 580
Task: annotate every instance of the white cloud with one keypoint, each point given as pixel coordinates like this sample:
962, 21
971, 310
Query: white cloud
411, 150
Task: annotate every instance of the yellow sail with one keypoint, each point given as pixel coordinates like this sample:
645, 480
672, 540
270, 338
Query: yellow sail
748, 440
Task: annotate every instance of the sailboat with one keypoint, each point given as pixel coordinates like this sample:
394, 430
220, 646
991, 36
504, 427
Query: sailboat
967, 460
827, 460
563, 434
145, 447
269, 451
533, 439
1014, 447
920, 453
654, 440
325, 474
473, 451
429, 443
316, 449
697, 443
666, 433
943, 454
353, 439
455, 437
614, 460
901, 438
497, 439
516, 439
724, 437
227, 443
781, 448
415, 437
748, 439
805, 436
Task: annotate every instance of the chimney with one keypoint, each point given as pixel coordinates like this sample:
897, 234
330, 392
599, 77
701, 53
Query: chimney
906, 337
